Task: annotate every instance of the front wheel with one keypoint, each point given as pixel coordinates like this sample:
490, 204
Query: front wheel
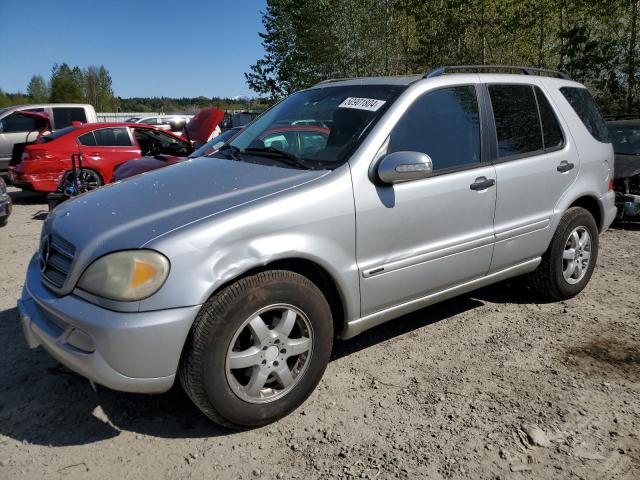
568, 263
258, 349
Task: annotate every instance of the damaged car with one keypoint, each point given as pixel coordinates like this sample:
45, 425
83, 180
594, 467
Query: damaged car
625, 136
46, 164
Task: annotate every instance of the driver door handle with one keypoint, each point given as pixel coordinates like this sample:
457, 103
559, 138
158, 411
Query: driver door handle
482, 183
565, 166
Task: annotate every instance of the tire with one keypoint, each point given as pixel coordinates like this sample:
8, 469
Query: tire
549, 278
221, 336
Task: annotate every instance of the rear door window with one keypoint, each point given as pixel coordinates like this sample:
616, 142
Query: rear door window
516, 118
87, 139
113, 137
63, 116
551, 132
443, 124
582, 102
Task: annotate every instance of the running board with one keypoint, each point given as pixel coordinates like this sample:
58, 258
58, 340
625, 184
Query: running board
359, 325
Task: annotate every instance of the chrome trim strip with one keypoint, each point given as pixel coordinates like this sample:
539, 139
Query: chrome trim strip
521, 230
354, 327
428, 256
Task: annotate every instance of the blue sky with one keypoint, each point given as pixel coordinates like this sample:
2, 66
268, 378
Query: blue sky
151, 47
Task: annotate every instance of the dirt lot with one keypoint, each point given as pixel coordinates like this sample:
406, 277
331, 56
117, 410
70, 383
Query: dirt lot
495, 384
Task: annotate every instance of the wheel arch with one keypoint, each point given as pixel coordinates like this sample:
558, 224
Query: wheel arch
593, 206
315, 273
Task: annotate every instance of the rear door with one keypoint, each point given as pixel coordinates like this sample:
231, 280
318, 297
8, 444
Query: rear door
104, 148
535, 166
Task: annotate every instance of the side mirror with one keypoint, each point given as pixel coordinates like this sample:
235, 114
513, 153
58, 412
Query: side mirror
404, 166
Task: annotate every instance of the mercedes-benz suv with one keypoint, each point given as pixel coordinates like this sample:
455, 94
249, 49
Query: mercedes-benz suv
234, 273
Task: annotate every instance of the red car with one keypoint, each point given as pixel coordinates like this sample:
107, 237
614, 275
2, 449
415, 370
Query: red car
294, 139
103, 147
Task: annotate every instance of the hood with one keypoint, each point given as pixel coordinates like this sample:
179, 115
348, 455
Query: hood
131, 213
143, 164
42, 116
202, 125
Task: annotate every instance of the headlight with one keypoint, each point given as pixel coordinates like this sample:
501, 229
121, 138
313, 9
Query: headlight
126, 276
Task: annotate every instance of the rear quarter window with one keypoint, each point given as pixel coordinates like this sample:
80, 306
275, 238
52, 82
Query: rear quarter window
583, 104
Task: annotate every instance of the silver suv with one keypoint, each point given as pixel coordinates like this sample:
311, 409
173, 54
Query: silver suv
235, 272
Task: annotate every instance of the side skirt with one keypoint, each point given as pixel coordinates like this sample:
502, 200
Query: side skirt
359, 325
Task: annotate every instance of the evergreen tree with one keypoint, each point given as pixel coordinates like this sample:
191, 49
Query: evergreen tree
67, 84
38, 90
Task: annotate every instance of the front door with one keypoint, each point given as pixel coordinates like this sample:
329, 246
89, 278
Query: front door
423, 236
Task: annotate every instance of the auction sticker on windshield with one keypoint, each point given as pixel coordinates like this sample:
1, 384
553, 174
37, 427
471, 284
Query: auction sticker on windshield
370, 104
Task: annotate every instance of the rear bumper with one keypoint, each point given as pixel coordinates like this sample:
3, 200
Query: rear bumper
609, 209
44, 182
132, 352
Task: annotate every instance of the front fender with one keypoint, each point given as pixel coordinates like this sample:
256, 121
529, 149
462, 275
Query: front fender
303, 223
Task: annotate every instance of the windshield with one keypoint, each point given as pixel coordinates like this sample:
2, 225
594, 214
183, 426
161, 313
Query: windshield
625, 139
214, 144
318, 128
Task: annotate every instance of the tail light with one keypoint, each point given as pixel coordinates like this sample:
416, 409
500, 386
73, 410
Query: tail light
611, 184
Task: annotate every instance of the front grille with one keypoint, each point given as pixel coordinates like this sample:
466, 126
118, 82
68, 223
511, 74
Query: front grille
56, 256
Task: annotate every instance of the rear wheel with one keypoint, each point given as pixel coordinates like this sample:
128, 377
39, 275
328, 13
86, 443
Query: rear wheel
568, 263
90, 178
258, 349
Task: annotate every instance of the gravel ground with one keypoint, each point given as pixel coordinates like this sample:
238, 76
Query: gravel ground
494, 384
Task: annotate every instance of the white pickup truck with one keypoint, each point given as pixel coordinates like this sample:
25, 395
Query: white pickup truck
21, 129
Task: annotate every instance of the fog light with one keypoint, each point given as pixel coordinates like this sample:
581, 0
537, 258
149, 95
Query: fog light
81, 341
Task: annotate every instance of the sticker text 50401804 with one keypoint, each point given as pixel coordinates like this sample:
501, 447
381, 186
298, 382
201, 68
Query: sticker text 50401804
370, 104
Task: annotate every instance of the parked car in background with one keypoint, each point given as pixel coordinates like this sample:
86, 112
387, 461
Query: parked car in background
146, 164
175, 123
103, 146
625, 136
5, 203
15, 129
234, 274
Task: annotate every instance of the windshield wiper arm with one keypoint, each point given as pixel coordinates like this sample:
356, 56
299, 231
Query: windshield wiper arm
284, 157
235, 151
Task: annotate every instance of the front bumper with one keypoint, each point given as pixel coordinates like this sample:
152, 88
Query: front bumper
609, 209
132, 352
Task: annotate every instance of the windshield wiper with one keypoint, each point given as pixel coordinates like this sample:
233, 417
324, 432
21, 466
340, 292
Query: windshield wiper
284, 157
235, 151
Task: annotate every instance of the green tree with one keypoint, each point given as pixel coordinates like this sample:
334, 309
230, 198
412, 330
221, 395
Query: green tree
97, 88
67, 84
38, 90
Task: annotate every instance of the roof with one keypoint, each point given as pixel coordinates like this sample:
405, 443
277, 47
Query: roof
389, 80
508, 71
46, 105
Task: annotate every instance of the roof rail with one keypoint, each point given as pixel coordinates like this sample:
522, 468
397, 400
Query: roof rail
436, 72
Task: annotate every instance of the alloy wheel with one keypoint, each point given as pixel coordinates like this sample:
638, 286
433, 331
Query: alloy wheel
269, 353
576, 255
